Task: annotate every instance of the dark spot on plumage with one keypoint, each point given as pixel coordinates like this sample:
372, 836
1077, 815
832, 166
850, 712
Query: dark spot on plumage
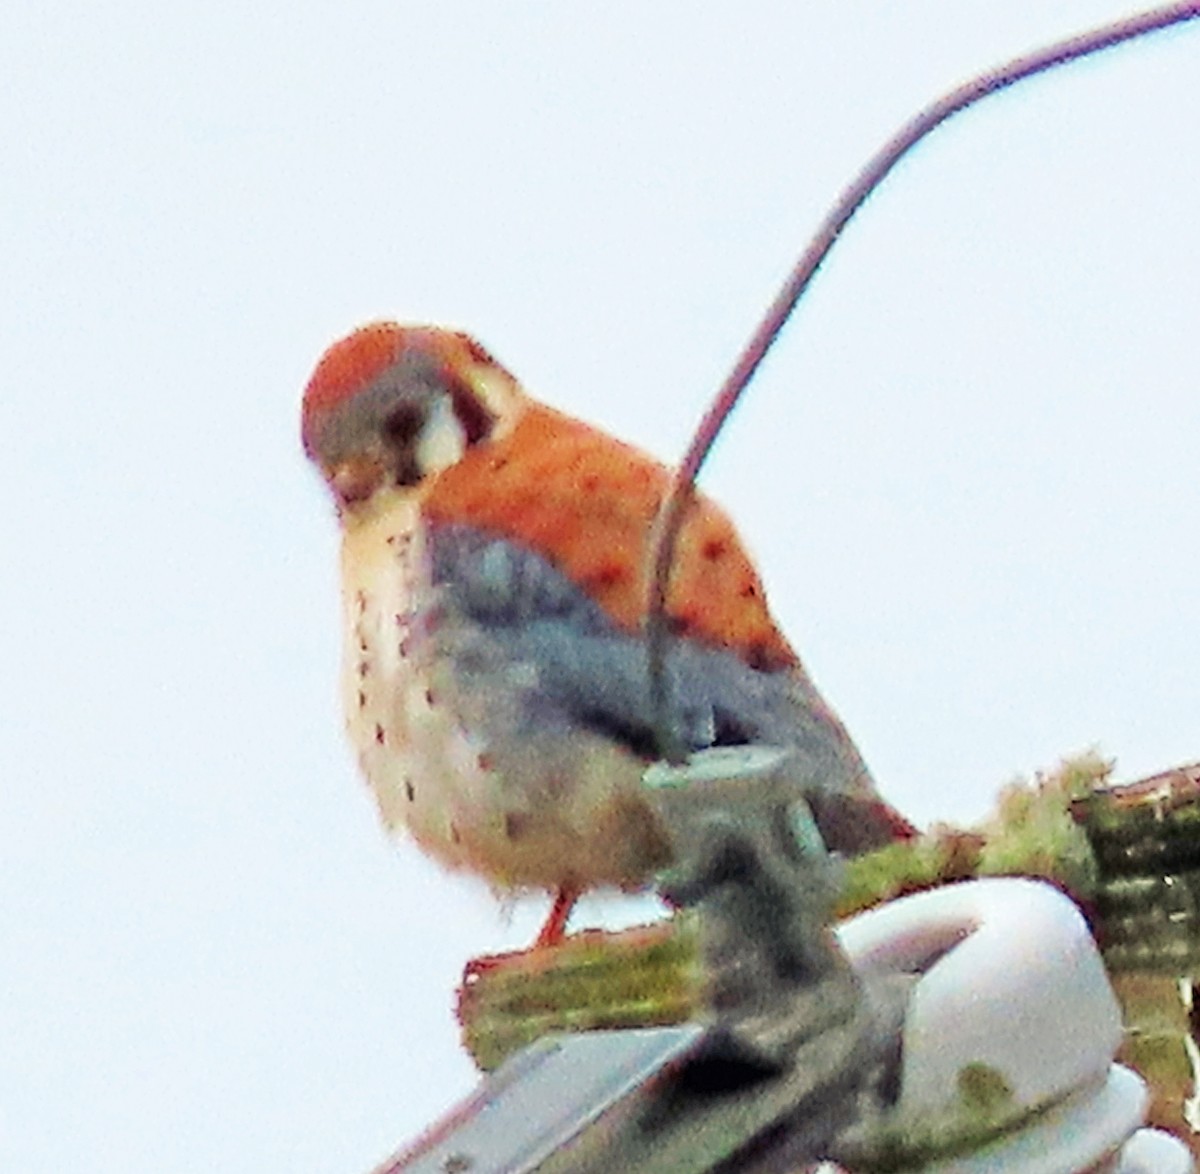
499, 463
455, 838
364, 667
605, 576
477, 422
749, 590
730, 730
362, 700
639, 739
429, 698
589, 483
405, 471
410, 792
485, 763
757, 657
380, 737
515, 825
714, 549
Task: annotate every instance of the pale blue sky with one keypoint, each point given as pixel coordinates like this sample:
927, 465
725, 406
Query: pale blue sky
968, 472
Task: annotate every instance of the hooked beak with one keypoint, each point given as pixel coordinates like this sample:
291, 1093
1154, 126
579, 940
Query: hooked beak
355, 478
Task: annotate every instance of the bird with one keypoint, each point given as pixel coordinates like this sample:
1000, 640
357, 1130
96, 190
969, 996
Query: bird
494, 556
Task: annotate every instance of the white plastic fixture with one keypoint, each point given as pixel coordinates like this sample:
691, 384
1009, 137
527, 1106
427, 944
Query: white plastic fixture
1009, 1036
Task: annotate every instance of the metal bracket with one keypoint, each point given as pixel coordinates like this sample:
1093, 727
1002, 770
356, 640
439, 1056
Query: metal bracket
794, 1052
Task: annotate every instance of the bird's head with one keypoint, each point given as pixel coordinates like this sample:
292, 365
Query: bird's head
391, 405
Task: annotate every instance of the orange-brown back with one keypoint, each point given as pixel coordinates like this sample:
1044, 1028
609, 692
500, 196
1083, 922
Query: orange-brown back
566, 490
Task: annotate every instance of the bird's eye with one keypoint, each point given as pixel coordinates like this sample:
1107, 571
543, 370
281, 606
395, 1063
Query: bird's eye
403, 424
401, 430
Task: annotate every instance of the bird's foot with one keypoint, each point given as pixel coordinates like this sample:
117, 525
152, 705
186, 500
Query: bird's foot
555, 929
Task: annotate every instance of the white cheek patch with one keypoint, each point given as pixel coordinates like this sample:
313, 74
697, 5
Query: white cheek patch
442, 440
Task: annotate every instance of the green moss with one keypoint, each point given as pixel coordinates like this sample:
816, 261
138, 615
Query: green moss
639, 978
984, 1091
1033, 832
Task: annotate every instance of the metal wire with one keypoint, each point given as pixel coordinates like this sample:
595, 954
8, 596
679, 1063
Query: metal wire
674, 509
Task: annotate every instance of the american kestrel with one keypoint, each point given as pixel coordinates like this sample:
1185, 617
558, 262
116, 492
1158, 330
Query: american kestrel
494, 556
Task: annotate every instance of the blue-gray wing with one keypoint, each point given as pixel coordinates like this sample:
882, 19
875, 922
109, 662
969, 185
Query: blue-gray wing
576, 667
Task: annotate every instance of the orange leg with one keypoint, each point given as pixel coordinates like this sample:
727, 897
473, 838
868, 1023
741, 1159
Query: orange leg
555, 928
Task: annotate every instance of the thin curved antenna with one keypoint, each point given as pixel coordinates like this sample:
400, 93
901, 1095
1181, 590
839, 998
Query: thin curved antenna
674, 508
